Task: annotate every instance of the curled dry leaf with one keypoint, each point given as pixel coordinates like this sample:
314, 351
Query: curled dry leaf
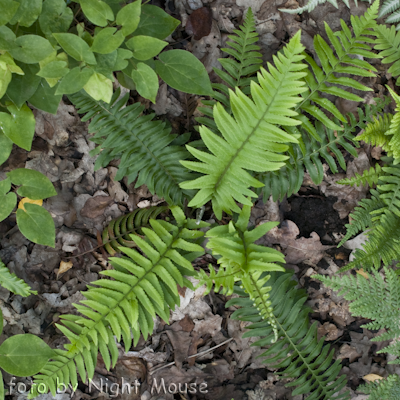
27, 200
64, 267
372, 377
94, 206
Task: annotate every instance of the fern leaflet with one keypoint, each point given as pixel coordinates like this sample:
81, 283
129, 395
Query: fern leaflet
369, 176
312, 4
388, 388
12, 283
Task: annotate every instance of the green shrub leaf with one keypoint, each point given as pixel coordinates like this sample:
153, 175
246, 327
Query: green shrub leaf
27, 13
74, 81
36, 224
146, 81
99, 87
33, 184
183, 71
155, 22
106, 41
45, 98
145, 47
5, 147
76, 47
97, 11
129, 17
30, 49
7, 38
54, 69
19, 125
7, 204
24, 355
8, 9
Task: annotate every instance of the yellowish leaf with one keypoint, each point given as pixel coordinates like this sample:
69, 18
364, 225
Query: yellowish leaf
372, 377
363, 273
27, 200
64, 267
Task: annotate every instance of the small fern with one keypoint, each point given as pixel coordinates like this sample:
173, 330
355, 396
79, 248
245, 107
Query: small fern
143, 146
116, 234
12, 283
241, 259
297, 353
391, 7
374, 132
312, 4
388, 388
141, 287
369, 176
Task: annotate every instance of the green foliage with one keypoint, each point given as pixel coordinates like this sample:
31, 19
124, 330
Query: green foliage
391, 7
12, 283
242, 260
143, 285
369, 177
116, 233
312, 4
34, 222
251, 139
145, 147
297, 353
388, 388
364, 294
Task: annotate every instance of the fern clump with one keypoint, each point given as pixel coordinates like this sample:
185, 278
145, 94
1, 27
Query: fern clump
297, 353
388, 388
145, 147
143, 285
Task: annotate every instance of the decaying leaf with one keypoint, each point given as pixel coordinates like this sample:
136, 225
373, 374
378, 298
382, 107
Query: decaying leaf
372, 377
64, 267
30, 201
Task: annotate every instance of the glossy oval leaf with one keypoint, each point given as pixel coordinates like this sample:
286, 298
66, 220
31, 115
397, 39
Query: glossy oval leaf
7, 38
24, 355
155, 22
146, 81
36, 224
7, 204
30, 49
33, 184
145, 47
99, 87
97, 11
129, 17
19, 125
183, 71
76, 47
5, 186
106, 41
74, 81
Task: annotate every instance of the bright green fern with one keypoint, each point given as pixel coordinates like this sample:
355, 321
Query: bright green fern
388, 388
142, 285
12, 283
369, 176
145, 147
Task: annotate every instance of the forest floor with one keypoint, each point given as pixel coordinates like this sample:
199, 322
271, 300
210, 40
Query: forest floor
312, 224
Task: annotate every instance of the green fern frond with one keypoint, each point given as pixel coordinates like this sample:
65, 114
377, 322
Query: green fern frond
312, 4
141, 287
394, 129
143, 146
388, 388
12, 283
364, 293
251, 138
374, 132
241, 259
239, 69
388, 6
117, 232
297, 353
369, 176
388, 43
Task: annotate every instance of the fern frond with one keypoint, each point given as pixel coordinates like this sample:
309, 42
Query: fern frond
369, 176
141, 287
241, 259
14, 284
142, 145
374, 133
394, 129
251, 138
239, 69
312, 4
364, 294
116, 233
388, 43
297, 353
388, 6
388, 388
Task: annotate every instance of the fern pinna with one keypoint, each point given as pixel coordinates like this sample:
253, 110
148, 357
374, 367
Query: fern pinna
144, 146
242, 260
142, 285
388, 388
312, 4
297, 353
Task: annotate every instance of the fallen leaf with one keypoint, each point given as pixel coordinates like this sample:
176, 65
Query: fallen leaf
30, 201
199, 23
94, 207
372, 377
180, 342
64, 267
363, 273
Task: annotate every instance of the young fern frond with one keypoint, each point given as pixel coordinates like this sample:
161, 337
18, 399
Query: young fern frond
241, 259
388, 43
251, 138
141, 287
394, 130
369, 176
143, 146
387, 388
374, 133
12, 283
297, 353
391, 7
364, 294
312, 4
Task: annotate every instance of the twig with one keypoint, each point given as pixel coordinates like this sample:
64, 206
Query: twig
194, 355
